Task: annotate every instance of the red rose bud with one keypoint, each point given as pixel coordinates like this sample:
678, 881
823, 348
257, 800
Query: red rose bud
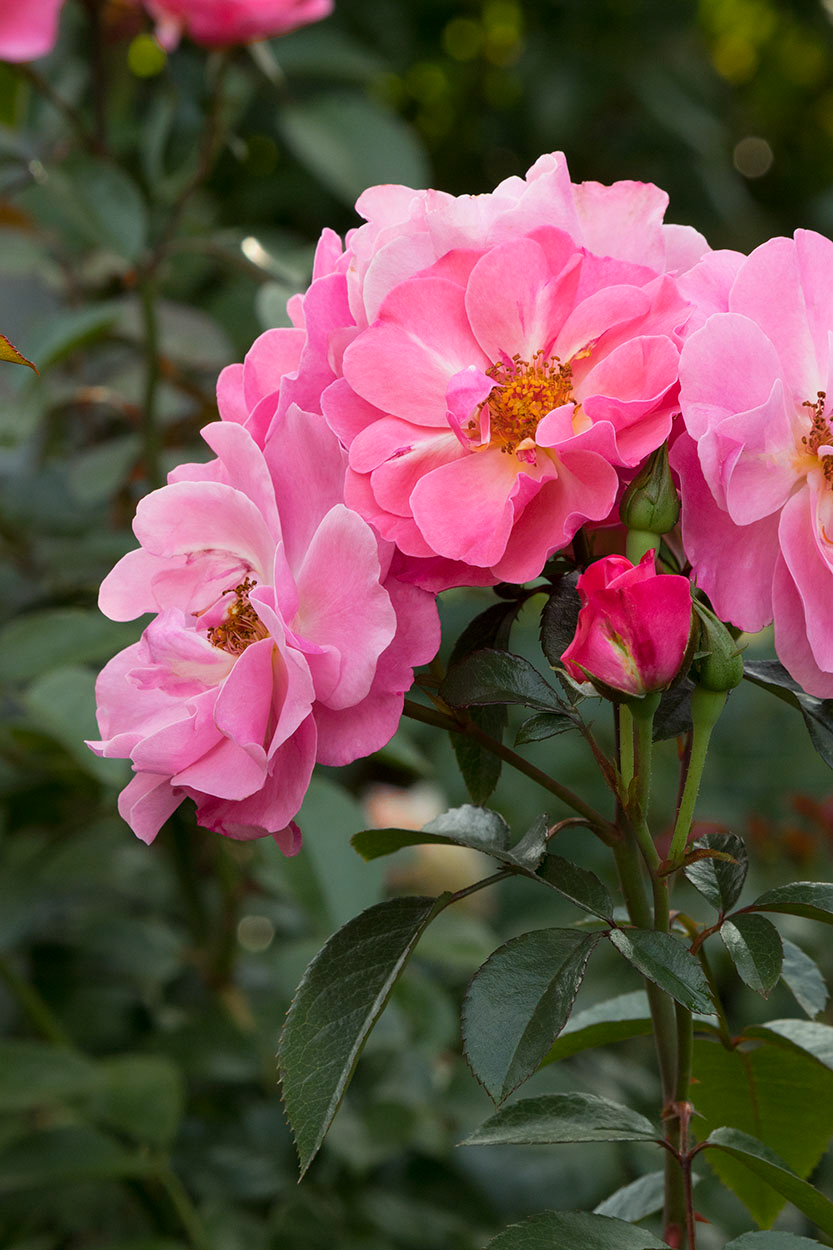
633, 628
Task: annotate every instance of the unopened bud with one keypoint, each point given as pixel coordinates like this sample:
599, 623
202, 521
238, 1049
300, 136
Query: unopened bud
651, 502
718, 665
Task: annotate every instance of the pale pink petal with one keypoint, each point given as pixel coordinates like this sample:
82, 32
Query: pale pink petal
597, 315
274, 354
464, 509
146, 802
188, 518
761, 479
347, 413
791, 638
231, 400
307, 468
729, 366
394, 482
807, 554
245, 468
226, 771
515, 305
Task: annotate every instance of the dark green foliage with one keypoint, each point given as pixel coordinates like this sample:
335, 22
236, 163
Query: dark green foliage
565, 1230
665, 961
518, 1003
719, 880
804, 979
754, 945
554, 1118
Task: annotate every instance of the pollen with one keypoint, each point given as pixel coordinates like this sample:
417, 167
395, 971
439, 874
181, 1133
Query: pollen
242, 626
820, 434
526, 392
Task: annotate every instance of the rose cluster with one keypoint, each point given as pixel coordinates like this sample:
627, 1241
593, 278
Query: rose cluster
29, 28
467, 383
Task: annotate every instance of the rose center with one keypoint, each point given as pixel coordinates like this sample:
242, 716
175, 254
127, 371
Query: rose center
241, 626
526, 391
820, 436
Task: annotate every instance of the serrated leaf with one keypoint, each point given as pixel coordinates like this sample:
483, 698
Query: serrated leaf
569, 1230
579, 885
10, 354
614, 1020
341, 996
718, 880
807, 1036
553, 1118
803, 979
754, 944
817, 713
642, 1197
769, 1169
541, 726
518, 1002
373, 843
771, 1241
472, 826
529, 850
811, 899
666, 962
491, 628
673, 716
489, 676
779, 1095
559, 618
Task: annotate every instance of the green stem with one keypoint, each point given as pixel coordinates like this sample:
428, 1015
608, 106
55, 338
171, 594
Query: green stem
35, 1007
706, 706
642, 713
627, 761
186, 1211
150, 430
638, 542
431, 716
722, 1022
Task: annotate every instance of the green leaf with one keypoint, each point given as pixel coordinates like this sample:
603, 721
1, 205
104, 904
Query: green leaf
771, 1241
34, 1074
541, 726
754, 944
491, 629
488, 676
38, 641
64, 1155
111, 209
811, 899
807, 1036
341, 996
817, 713
614, 1020
480, 768
666, 962
779, 1095
640, 1198
553, 1118
569, 1230
559, 618
579, 885
720, 881
768, 1169
518, 1003
141, 1096
803, 979
475, 827
349, 142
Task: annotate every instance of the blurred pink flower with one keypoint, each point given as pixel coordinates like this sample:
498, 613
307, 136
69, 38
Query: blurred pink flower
220, 23
28, 28
756, 463
633, 627
281, 636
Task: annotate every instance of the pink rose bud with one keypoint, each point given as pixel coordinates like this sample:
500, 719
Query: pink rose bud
633, 627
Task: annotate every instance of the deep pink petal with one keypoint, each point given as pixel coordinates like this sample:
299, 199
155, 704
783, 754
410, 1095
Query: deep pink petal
464, 509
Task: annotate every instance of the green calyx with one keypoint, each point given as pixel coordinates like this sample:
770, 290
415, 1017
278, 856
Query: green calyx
718, 665
651, 502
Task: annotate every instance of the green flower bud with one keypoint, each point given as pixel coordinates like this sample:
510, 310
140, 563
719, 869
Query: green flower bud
718, 664
651, 502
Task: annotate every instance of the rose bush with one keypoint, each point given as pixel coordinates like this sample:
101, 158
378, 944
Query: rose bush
755, 462
633, 628
281, 637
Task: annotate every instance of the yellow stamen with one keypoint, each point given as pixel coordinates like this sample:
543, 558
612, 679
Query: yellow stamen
526, 392
242, 626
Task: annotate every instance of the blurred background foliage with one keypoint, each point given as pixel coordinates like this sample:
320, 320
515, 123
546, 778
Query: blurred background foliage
150, 226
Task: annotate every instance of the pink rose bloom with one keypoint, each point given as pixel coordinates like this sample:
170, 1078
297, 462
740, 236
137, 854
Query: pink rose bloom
220, 23
633, 627
28, 28
756, 463
281, 637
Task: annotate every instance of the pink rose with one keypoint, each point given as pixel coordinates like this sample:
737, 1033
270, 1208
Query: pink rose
220, 23
633, 627
507, 355
28, 28
756, 463
281, 637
